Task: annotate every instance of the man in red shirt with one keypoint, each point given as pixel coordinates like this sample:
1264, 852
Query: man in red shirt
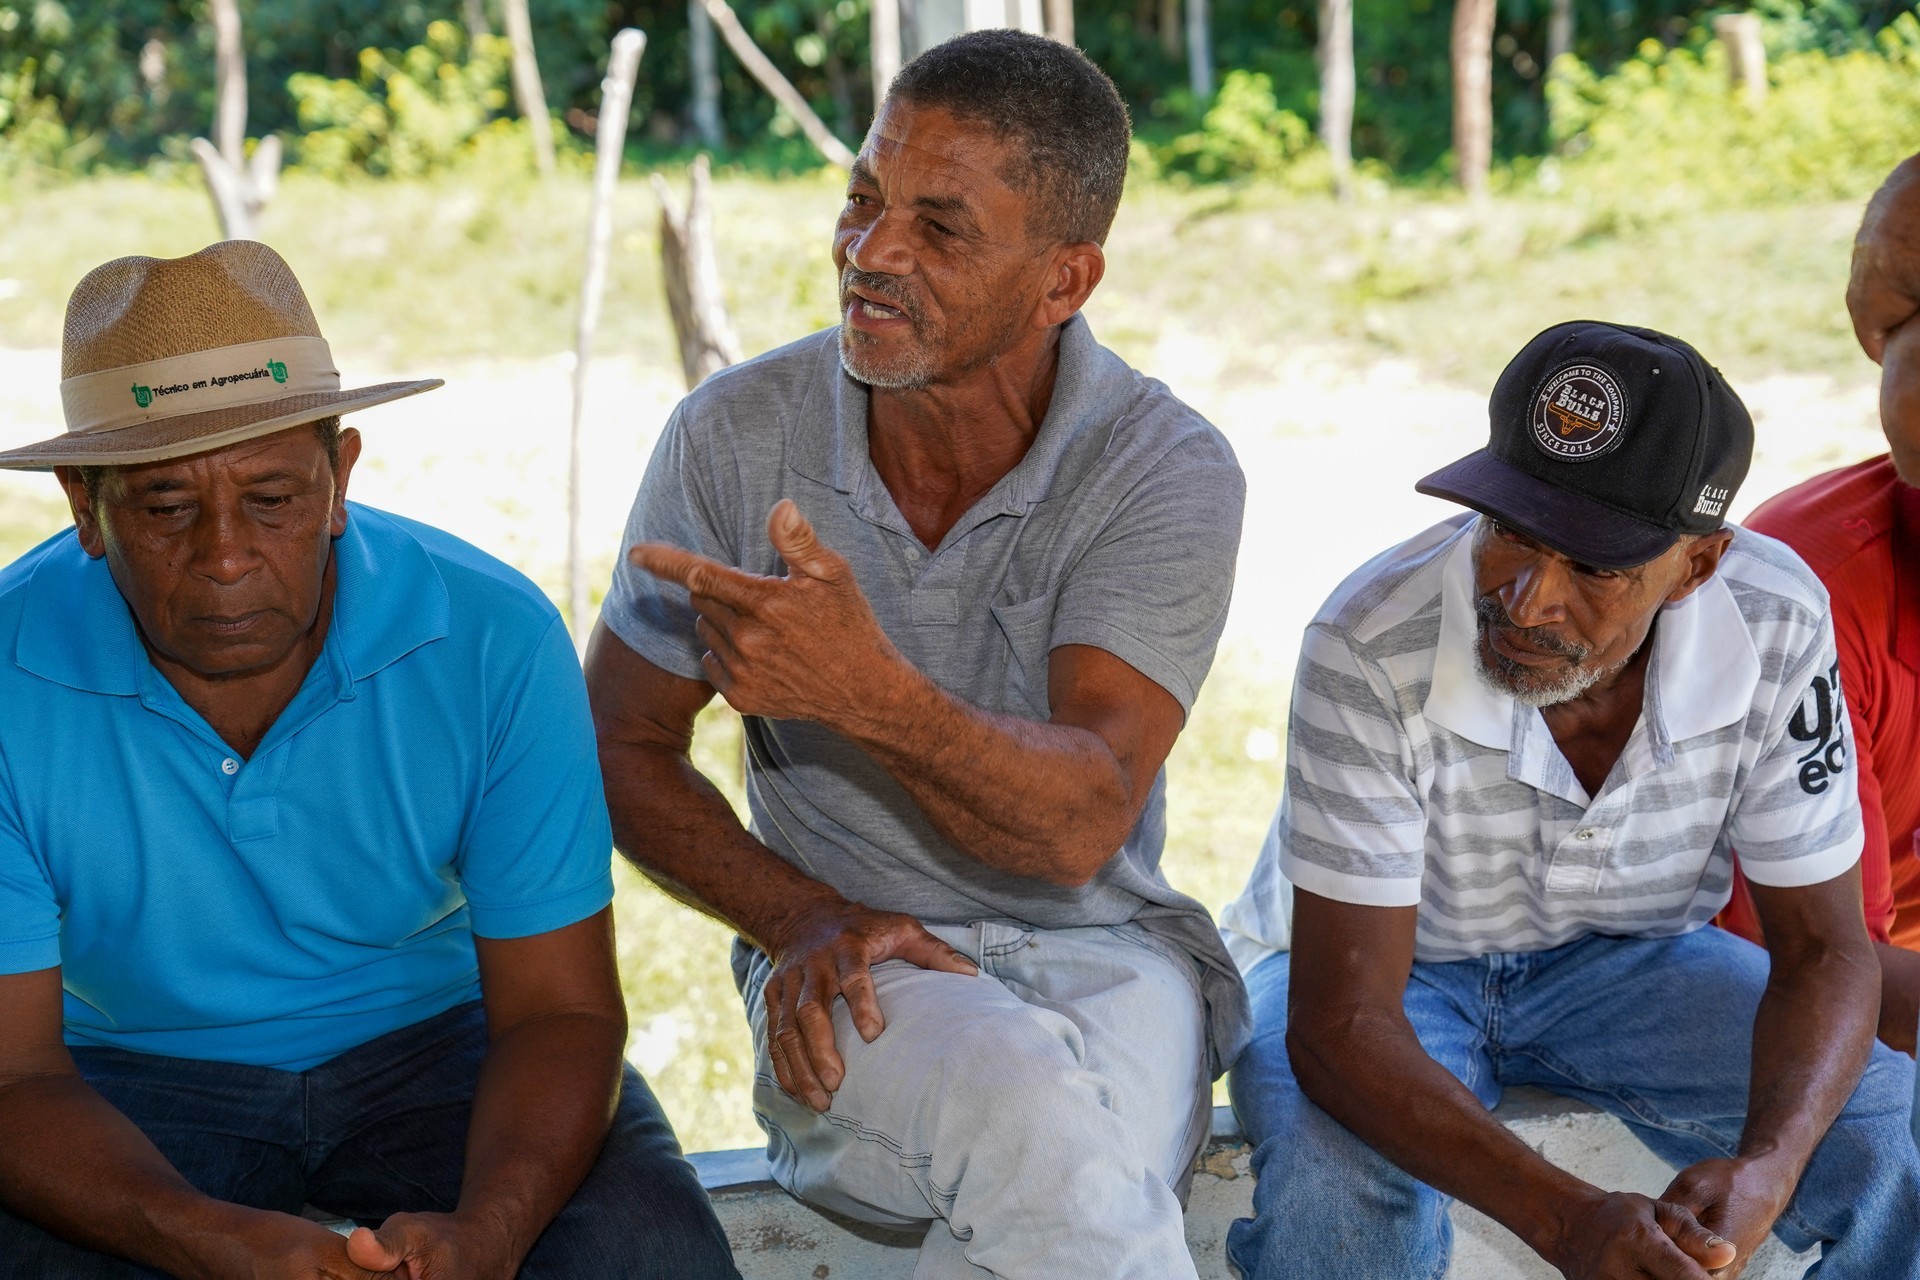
1859, 529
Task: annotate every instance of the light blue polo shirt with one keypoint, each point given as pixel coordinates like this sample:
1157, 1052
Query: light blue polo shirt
434, 778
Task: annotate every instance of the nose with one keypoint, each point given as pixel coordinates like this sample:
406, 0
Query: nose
878, 246
1535, 595
223, 548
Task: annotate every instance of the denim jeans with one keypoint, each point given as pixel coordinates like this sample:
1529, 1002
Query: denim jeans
1037, 1118
1655, 1031
379, 1130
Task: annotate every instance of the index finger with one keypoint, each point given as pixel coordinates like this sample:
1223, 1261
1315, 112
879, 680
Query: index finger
702, 577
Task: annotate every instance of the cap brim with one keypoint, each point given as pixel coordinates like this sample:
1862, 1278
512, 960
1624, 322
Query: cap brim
198, 432
1575, 526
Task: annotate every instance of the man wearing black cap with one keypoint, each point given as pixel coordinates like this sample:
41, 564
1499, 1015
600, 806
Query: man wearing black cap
1523, 746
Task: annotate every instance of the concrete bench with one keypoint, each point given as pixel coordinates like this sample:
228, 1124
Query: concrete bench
775, 1237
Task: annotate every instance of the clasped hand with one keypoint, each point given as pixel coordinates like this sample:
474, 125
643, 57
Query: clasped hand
801, 647
1708, 1222
407, 1246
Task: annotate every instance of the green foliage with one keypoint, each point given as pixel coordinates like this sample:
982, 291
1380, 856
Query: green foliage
1668, 125
1247, 134
407, 113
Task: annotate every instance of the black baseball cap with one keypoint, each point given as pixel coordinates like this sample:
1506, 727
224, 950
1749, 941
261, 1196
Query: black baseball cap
1609, 442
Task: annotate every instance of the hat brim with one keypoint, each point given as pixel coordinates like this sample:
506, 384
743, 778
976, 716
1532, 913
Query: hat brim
1575, 526
192, 433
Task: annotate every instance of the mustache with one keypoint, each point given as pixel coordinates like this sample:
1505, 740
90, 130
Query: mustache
1490, 615
884, 287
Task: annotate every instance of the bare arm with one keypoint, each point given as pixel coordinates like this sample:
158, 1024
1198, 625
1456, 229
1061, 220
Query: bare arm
557, 1032
670, 822
1811, 1038
77, 1167
1358, 1058
1899, 996
1052, 800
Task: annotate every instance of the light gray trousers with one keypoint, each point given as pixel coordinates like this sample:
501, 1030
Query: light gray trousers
1036, 1117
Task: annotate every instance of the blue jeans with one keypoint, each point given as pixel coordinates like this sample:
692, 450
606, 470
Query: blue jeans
379, 1130
1655, 1031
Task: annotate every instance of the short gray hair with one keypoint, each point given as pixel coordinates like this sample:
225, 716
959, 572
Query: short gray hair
1068, 125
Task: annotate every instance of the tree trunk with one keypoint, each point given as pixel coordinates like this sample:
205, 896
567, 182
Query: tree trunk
1559, 31
885, 39
776, 84
1199, 52
692, 277
240, 187
1336, 90
475, 16
1060, 20
616, 101
1746, 54
1170, 27
527, 90
1471, 52
230, 84
706, 77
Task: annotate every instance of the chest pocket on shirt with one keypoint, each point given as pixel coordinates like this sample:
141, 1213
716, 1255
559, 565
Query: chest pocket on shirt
1028, 627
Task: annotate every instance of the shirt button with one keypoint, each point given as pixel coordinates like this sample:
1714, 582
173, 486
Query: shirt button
1585, 833
913, 553
229, 766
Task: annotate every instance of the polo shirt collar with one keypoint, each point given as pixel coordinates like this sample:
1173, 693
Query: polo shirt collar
827, 438
1906, 573
388, 600
1700, 675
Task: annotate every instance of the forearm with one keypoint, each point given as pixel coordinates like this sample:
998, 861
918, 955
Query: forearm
546, 1094
1369, 1072
81, 1170
1899, 996
1811, 1037
677, 828
1026, 797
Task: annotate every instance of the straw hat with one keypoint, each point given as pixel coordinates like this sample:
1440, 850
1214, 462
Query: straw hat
165, 357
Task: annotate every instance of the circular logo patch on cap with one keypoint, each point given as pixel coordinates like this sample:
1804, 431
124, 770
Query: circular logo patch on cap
1579, 413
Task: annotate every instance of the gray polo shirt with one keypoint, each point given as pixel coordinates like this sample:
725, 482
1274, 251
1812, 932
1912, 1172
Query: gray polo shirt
1118, 529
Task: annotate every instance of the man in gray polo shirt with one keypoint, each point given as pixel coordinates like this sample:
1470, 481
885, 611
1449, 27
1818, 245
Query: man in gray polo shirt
963, 571
1523, 748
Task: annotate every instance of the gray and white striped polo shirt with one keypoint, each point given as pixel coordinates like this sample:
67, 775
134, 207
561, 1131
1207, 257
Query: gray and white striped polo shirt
1412, 782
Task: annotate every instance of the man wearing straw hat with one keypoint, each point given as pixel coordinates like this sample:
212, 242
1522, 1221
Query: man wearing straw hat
304, 862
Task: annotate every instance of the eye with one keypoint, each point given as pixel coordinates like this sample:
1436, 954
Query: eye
271, 501
1506, 533
940, 229
167, 511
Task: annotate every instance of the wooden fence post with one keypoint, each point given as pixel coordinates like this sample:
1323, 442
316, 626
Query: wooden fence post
692, 278
884, 37
774, 83
610, 138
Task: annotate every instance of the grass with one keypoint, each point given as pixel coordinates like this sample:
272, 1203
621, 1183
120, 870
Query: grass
470, 266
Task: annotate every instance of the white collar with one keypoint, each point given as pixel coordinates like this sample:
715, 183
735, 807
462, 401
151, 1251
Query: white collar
1700, 676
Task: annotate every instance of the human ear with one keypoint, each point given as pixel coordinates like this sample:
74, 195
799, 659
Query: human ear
1077, 269
1702, 559
349, 454
86, 520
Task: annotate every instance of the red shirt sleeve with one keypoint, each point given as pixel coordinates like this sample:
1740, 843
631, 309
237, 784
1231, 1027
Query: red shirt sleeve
1858, 681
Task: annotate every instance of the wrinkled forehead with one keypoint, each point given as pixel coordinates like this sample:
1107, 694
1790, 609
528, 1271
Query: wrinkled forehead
292, 454
929, 152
